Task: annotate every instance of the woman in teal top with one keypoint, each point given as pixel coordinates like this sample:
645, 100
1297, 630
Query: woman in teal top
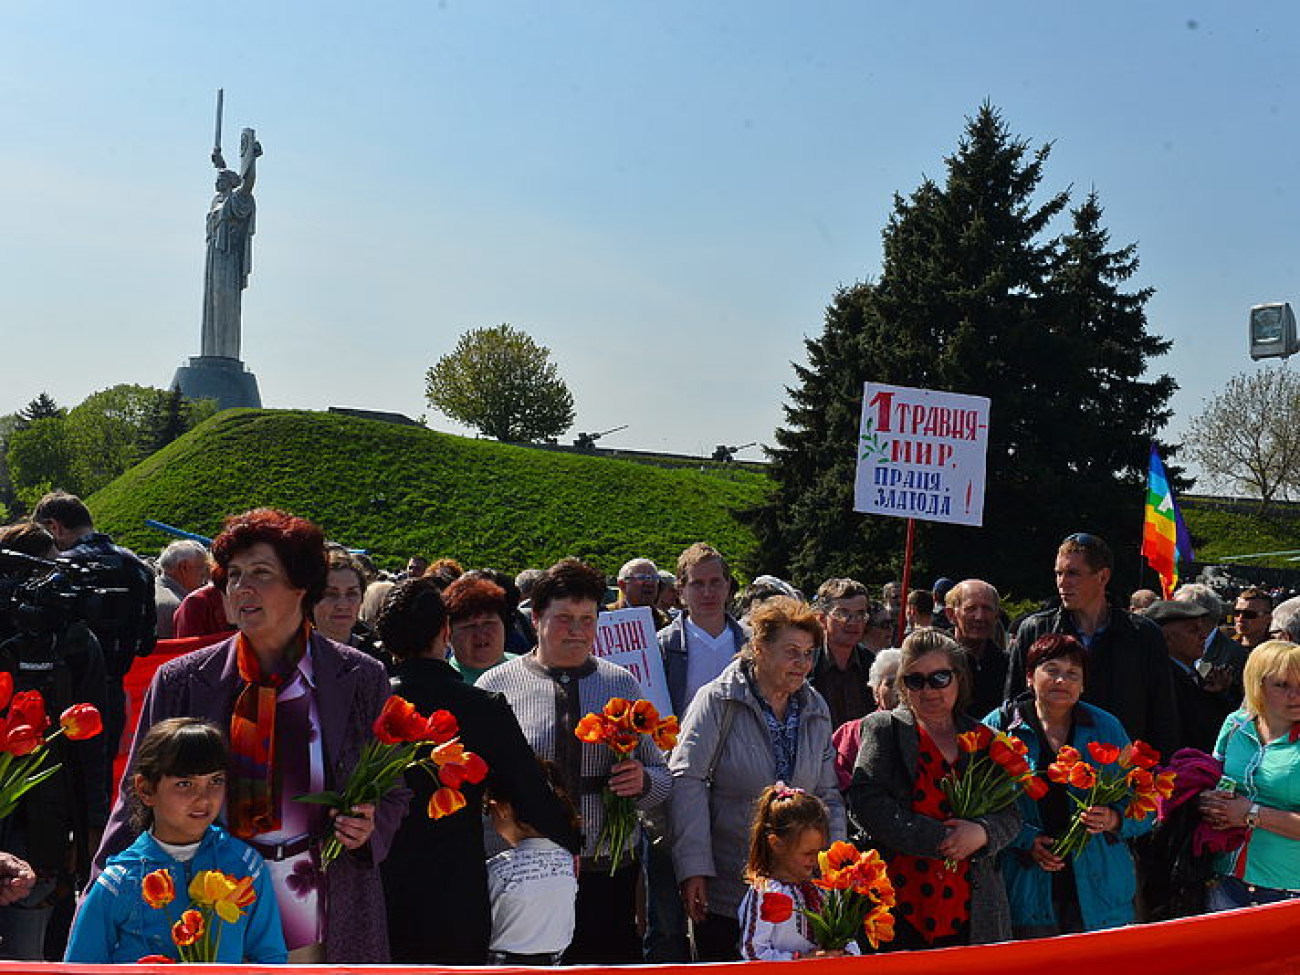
1096, 888
1260, 750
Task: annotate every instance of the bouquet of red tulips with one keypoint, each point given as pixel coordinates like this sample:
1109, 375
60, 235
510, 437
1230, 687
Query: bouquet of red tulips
1135, 781
405, 740
24, 746
996, 774
620, 725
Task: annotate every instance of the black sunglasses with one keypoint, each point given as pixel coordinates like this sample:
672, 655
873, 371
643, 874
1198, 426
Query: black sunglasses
1249, 614
937, 679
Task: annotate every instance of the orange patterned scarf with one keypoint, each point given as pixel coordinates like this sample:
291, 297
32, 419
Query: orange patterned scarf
253, 804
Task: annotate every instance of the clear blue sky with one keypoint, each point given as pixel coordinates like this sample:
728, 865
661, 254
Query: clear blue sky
666, 194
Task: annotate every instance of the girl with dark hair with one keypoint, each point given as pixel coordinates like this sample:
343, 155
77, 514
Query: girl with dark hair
179, 788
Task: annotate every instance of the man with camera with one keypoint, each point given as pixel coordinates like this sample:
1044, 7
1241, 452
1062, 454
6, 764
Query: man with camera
45, 647
126, 626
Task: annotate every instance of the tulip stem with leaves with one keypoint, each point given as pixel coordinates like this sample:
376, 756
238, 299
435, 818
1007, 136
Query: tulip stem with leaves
403, 739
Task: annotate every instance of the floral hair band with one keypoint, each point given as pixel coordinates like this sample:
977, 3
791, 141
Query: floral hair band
783, 791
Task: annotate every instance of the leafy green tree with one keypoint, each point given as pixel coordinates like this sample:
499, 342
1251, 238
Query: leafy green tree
975, 297
40, 458
502, 383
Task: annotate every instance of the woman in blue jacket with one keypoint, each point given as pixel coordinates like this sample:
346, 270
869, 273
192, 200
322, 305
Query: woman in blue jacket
1095, 889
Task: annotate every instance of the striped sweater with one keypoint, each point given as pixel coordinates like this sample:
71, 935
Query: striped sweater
549, 702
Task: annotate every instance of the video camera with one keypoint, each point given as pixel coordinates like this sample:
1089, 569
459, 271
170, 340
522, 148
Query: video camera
39, 596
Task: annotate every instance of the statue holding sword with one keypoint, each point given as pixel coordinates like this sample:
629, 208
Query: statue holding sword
230, 226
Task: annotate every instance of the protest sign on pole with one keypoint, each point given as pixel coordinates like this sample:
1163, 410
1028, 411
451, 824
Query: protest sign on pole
627, 637
921, 454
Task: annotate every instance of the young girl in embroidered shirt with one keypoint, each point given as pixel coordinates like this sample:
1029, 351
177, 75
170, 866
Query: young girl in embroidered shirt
790, 828
180, 787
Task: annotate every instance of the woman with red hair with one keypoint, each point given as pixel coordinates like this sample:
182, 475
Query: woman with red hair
298, 708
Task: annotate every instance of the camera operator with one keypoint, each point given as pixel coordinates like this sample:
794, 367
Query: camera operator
57, 826
127, 622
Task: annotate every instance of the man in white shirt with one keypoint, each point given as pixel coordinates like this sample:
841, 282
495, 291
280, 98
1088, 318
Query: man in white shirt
697, 645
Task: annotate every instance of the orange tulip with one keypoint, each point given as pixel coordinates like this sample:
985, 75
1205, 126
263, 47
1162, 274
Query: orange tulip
445, 801
1083, 776
1141, 804
969, 741
878, 926
188, 929
81, 721
594, 729
1103, 753
619, 709
1035, 788
665, 735
158, 888
449, 753
624, 742
643, 717
1165, 784
1068, 755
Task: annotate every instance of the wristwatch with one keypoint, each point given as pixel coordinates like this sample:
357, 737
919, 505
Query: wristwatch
1252, 816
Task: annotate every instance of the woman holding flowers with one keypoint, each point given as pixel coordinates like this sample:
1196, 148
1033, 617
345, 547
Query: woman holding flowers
948, 888
1260, 750
550, 691
1051, 894
757, 723
449, 922
299, 709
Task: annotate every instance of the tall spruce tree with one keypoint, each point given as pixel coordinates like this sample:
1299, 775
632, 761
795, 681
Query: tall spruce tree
974, 297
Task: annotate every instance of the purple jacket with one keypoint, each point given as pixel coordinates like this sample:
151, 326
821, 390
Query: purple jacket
350, 692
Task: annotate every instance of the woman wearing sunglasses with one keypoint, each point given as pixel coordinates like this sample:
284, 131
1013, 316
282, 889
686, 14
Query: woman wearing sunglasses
896, 800
1049, 895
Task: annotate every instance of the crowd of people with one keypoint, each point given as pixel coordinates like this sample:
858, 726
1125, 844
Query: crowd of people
802, 722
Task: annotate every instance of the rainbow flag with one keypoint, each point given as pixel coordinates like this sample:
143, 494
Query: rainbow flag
1165, 539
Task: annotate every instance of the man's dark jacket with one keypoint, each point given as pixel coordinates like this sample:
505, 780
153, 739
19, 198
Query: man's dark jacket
1128, 672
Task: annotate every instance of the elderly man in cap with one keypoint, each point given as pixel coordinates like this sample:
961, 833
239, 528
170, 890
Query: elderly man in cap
1201, 709
1223, 658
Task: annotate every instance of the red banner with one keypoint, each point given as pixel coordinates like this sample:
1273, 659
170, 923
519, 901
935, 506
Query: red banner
1258, 941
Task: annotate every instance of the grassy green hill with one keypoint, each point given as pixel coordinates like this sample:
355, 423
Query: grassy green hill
1220, 529
398, 491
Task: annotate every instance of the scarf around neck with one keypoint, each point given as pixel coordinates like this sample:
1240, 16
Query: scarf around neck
253, 806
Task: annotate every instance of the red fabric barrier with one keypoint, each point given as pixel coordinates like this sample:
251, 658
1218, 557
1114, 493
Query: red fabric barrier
1258, 941
136, 683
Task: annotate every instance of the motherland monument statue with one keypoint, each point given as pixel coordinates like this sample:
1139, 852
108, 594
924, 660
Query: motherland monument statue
217, 372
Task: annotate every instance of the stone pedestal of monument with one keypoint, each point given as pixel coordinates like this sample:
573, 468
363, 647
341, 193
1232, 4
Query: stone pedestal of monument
215, 377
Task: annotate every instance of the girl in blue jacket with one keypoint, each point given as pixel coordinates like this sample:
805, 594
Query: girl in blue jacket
1095, 889
180, 785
